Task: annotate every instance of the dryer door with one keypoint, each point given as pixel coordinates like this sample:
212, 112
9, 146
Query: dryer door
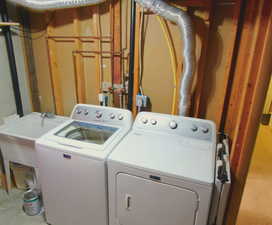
145, 202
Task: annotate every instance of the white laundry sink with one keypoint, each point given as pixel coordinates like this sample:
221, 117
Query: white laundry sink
17, 139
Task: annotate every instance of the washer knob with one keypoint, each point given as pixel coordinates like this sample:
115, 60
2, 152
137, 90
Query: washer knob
112, 116
205, 130
173, 124
194, 128
78, 111
120, 117
144, 120
86, 112
153, 122
98, 114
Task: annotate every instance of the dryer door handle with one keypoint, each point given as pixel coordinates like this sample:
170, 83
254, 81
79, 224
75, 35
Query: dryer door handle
128, 201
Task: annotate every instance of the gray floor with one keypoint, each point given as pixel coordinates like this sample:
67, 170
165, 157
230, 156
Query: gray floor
11, 212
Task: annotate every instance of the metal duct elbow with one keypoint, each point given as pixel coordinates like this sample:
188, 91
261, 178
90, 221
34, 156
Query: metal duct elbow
42, 5
185, 24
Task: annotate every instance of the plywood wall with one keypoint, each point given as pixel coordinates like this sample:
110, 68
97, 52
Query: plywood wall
157, 73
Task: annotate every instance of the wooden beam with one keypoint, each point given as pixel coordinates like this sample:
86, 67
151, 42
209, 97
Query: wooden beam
54, 71
204, 30
251, 79
117, 47
79, 76
233, 35
136, 59
97, 30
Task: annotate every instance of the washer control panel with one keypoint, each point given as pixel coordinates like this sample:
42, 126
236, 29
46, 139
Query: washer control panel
103, 114
178, 125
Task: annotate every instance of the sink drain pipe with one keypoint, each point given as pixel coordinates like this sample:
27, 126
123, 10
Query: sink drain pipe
11, 59
183, 20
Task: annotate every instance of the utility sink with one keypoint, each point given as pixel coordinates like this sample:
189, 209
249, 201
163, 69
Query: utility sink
17, 139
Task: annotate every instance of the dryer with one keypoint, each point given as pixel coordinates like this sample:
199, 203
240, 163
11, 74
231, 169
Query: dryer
163, 172
72, 163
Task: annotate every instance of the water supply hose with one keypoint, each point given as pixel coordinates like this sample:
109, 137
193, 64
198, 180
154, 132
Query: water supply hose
173, 56
184, 22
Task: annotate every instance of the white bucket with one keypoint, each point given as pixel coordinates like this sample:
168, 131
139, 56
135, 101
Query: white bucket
32, 203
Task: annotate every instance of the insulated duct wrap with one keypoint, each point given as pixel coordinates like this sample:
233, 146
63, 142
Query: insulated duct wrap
186, 26
42, 5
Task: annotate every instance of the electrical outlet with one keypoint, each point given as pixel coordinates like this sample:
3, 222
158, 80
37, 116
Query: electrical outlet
106, 85
141, 100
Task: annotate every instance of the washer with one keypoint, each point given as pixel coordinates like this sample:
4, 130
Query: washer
72, 163
163, 172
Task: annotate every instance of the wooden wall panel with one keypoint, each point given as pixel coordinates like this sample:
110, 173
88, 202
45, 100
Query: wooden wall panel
157, 75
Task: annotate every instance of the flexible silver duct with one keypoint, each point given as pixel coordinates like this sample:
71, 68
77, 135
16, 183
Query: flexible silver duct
42, 5
184, 22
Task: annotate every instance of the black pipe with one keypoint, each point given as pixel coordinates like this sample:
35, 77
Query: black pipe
11, 58
131, 56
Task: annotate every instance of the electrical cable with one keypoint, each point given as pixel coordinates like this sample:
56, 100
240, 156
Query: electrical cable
173, 56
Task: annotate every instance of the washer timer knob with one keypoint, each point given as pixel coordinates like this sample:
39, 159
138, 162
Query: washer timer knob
98, 114
144, 120
112, 116
173, 124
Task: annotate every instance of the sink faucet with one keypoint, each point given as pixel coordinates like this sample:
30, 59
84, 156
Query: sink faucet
48, 115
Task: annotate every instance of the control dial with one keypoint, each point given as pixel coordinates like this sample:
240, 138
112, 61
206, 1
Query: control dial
173, 124
144, 120
98, 114
120, 117
153, 122
112, 116
205, 130
78, 111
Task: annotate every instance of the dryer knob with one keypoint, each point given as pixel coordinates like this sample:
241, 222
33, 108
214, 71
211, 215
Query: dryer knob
86, 112
173, 124
120, 117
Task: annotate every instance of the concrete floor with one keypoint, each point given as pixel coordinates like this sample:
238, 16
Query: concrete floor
11, 212
256, 207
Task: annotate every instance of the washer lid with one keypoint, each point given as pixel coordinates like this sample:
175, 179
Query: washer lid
172, 155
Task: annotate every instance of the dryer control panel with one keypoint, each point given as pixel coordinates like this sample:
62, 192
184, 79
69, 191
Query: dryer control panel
107, 115
178, 125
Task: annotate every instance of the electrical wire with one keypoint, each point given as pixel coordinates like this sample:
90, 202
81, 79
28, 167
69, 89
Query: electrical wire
173, 56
